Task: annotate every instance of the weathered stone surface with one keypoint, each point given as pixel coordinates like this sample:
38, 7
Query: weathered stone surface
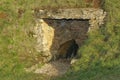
44, 35
95, 15
75, 13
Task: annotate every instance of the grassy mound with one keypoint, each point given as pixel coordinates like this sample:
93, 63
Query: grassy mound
99, 56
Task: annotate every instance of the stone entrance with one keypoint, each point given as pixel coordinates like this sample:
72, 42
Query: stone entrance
55, 27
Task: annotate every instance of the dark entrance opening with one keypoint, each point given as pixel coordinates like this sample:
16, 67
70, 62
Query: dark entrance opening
68, 49
68, 35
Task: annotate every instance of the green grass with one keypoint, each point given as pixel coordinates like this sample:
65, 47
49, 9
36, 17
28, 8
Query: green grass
23, 76
16, 49
94, 73
100, 55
